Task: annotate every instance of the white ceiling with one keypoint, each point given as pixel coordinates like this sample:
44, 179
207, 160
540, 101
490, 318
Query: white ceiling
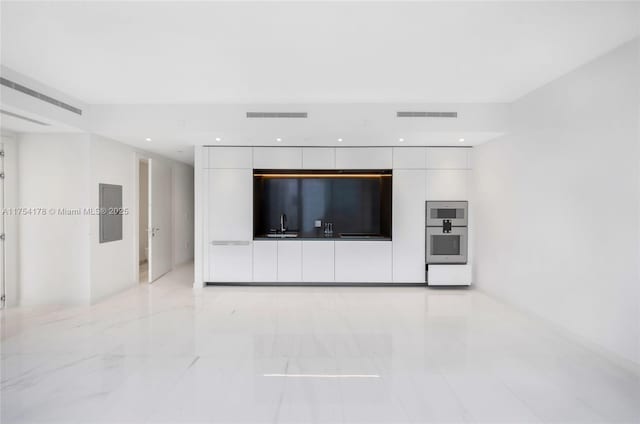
305, 52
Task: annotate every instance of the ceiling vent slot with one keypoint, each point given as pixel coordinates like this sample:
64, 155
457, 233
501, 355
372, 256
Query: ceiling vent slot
29, 92
427, 114
277, 115
24, 118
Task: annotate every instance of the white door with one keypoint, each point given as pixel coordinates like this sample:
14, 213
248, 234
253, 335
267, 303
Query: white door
159, 219
3, 290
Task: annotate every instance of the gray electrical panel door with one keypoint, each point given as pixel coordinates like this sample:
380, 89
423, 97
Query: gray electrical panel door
110, 213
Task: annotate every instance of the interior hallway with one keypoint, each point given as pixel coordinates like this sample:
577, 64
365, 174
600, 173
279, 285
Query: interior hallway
167, 353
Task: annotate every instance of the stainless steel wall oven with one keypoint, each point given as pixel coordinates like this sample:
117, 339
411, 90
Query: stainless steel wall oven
446, 232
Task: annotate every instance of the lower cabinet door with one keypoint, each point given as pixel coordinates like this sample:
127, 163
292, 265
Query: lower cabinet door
363, 261
290, 261
317, 261
265, 261
230, 263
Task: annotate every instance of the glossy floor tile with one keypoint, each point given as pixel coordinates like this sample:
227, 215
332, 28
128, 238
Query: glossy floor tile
165, 353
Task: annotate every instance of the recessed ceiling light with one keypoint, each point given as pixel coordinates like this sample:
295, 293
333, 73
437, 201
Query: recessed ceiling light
179, 151
278, 139
461, 140
218, 139
401, 140
340, 140
147, 139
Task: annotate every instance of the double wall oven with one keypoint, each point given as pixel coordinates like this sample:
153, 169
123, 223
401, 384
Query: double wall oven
446, 232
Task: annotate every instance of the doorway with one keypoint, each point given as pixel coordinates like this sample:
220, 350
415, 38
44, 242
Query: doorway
3, 279
143, 220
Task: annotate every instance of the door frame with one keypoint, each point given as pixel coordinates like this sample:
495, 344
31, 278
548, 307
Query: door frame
150, 158
136, 227
11, 285
140, 158
153, 164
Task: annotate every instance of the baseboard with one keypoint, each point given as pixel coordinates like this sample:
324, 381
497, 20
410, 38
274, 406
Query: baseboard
314, 284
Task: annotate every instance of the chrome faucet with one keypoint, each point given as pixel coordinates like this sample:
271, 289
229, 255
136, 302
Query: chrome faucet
283, 223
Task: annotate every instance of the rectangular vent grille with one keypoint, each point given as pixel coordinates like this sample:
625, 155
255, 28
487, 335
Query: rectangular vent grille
26, 90
427, 114
277, 115
24, 118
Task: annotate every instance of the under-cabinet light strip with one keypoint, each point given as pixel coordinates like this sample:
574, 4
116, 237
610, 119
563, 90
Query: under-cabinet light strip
322, 175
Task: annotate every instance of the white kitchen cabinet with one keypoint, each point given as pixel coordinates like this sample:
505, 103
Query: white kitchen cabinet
318, 158
265, 261
229, 262
228, 157
448, 184
364, 158
450, 275
448, 158
277, 157
409, 225
318, 261
290, 261
228, 224
229, 204
363, 261
409, 157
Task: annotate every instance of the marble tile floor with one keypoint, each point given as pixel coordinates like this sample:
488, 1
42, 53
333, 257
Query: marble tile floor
165, 353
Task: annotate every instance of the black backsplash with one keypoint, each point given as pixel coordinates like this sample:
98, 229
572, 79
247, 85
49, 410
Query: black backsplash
353, 204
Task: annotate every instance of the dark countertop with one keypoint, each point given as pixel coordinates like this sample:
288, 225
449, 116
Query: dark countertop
319, 235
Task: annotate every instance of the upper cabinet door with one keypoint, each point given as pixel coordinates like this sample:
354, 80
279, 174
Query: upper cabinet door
409, 158
364, 158
229, 194
448, 158
277, 157
229, 157
319, 158
448, 184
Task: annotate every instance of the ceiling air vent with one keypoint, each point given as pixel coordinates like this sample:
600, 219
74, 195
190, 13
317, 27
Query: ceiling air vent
24, 118
26, 90
427, 114
277, 115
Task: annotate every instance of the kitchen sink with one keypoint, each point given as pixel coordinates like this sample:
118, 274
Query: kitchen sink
282, 235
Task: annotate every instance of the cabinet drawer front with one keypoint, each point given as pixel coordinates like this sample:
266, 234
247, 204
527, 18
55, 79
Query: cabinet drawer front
230, 263
363, 261
318, 261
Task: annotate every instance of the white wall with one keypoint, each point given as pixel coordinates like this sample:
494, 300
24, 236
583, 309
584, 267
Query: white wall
54, 259
557, 204
183, 218
60, 257
111, 263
